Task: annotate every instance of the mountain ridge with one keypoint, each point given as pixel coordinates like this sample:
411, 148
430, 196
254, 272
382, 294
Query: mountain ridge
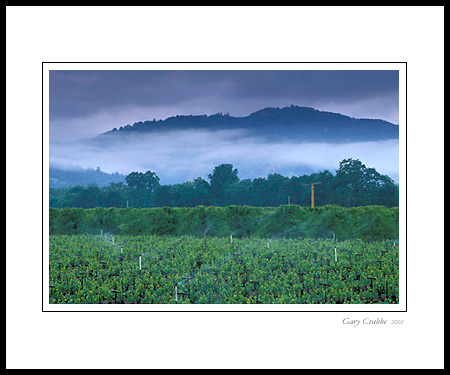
303, 123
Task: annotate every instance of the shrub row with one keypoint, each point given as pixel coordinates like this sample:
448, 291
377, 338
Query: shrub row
367, 222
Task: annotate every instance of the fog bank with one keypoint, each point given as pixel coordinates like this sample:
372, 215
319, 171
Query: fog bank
179, 156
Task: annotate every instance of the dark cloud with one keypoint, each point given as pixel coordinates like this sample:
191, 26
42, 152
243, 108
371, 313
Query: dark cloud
85, 93
78, 94
340, 85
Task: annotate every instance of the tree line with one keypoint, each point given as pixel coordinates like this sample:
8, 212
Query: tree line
353, 184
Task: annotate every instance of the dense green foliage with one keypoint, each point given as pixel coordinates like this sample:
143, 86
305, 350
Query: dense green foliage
165, 270
352, 185
368, 222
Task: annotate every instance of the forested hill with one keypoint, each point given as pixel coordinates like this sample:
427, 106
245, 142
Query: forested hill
61, 178
294, 123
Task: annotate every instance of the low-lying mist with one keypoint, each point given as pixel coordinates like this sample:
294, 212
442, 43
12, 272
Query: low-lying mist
183, 155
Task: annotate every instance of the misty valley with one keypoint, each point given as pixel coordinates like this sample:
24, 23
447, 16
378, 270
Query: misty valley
278, 207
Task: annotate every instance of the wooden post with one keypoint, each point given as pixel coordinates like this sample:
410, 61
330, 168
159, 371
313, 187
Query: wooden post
312, 191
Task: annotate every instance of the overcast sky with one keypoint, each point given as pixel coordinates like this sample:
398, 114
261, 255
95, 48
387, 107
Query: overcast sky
84, 103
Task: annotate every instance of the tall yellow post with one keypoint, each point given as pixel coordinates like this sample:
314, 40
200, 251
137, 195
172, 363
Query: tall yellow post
312, 195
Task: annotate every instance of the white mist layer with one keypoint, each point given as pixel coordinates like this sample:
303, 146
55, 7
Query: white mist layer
184, 155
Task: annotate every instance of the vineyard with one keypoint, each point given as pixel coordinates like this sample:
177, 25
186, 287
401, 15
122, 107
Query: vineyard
159, 269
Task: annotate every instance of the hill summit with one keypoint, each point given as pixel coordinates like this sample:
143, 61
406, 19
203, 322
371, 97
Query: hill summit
294, 123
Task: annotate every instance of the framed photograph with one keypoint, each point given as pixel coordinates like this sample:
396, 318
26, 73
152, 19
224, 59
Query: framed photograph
225, 186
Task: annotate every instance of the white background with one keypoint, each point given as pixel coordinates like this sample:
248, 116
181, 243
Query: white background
36, 339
